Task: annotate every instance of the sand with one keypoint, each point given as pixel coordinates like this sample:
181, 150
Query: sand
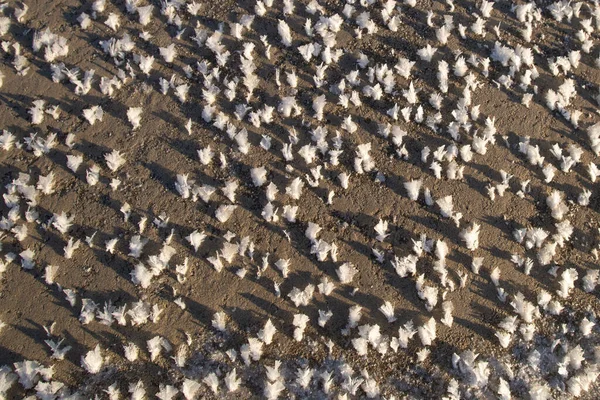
162, 148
